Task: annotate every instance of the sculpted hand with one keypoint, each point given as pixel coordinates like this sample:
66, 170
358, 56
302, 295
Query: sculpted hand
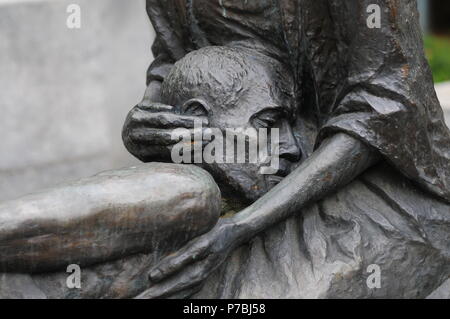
147, 131
187, 269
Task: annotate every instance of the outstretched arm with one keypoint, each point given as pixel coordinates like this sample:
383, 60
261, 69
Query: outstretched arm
339, 160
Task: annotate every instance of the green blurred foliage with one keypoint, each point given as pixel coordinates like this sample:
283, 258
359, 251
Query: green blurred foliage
437, 50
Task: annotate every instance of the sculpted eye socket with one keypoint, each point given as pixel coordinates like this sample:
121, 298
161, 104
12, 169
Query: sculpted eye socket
266, 118
263, 123
195, 107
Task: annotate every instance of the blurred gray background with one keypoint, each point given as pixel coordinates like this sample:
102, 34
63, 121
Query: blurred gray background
64, 93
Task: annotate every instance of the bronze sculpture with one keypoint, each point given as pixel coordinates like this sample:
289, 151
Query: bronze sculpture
363, 140
360, 93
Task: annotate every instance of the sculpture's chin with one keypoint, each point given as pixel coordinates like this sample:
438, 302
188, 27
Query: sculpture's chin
242, 182
245, 180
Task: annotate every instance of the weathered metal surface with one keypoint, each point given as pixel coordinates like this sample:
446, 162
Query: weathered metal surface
366, 149
108, 216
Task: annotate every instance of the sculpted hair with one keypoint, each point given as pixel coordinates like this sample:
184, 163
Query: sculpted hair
225, 75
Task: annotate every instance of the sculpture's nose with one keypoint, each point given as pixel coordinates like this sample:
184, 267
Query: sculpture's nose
289, 148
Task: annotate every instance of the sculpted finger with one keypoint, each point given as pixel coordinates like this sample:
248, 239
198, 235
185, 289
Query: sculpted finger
185, 281
173, 264
145, 136
166, 119
154, 107
151, 136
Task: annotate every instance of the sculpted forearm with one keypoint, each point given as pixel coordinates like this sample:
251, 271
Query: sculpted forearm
338, 161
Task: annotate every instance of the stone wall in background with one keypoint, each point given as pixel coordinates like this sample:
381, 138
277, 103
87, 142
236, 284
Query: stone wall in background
64, 93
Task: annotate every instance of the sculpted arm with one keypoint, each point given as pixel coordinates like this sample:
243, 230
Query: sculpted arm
339, 160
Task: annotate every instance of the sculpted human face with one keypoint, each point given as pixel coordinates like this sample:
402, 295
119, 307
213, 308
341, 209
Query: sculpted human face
257, 108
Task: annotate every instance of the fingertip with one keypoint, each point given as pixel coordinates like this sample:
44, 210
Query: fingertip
155, 275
